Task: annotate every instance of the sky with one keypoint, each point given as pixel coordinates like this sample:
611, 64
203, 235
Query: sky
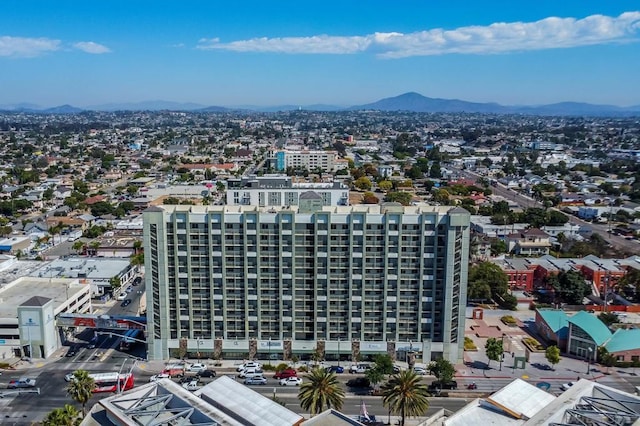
305, 52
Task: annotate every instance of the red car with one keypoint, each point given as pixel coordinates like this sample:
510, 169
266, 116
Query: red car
289, 372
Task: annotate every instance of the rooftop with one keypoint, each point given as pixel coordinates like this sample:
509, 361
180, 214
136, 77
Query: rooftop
556, 319
623, 340
23, 289
591, 325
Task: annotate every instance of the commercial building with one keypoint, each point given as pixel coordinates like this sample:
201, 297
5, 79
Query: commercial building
28, 309
281, 191
244, 281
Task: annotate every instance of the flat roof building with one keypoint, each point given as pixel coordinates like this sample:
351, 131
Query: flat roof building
28, 308
244, 281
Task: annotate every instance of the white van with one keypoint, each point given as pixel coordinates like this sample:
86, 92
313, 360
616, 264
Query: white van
251, 372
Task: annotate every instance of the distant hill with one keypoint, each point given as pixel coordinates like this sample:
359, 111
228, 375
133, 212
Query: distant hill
278, 108
214, 109
62, 109
415, 102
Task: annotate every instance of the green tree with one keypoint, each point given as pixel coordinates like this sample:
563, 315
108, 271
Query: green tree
67, 416
77, 246
81, 388
553, 355
608, 318
370, 198
487, 275
405, 395
493, 349
401, 197
385, 185
321, 389
363, 183
375, 376
441, 196
570, 287
384, 363
442, 369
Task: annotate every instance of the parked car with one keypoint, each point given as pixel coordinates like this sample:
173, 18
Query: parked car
359, 382
159, 376
122, 296
191, 386
206, 373
420, 371
359, 368
250, 364
197, 367
125, 302
396, 369
291, 381
283, 374
257, 380
137, 281
71, 352
335, 369
22, 382
438, 386
69, 377
129, 289
566, 386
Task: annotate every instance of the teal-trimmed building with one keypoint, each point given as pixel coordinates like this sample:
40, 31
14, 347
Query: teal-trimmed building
586, 334
625, 345
553, 326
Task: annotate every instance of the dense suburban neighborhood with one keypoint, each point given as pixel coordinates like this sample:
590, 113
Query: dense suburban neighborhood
403, 243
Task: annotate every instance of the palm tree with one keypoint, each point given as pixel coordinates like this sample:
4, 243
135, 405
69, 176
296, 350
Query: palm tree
405, 395
67, 416
81, 388
321, 389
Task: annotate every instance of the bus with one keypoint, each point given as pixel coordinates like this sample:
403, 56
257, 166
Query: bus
130, 338
108, 382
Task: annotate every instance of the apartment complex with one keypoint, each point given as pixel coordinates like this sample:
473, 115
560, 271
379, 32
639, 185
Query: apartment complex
281, 191
244, 281
327, 161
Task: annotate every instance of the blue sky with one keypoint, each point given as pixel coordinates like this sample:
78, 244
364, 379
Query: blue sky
306, 52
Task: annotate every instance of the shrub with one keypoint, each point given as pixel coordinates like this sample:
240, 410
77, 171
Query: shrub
303, 369
509, 320
282, 366
530, 341
469, 345
268, 367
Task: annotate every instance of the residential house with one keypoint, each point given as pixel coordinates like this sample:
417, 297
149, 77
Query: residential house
530, 242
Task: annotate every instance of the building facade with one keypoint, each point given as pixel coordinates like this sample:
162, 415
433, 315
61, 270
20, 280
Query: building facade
244, 281
281, 191
327, 161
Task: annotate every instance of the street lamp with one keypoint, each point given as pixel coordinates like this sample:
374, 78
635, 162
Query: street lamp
501, 350
590, 351
198, 343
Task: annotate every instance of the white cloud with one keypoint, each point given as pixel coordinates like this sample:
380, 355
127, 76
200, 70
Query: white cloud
27, 47
91, 47
501, 37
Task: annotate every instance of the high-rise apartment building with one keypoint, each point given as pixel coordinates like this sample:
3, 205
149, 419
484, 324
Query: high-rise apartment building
328, 161
244, 281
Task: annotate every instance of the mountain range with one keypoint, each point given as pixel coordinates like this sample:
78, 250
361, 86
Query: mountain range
412, 102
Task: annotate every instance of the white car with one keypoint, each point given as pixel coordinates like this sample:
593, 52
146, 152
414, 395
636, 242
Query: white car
191, 386
566, 386
69, 377
250, 372
197, 367
359, 368
159, 376
250, 364
122, 296
291, 381
420, 371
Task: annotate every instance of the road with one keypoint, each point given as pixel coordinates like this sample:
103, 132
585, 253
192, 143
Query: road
630, 246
